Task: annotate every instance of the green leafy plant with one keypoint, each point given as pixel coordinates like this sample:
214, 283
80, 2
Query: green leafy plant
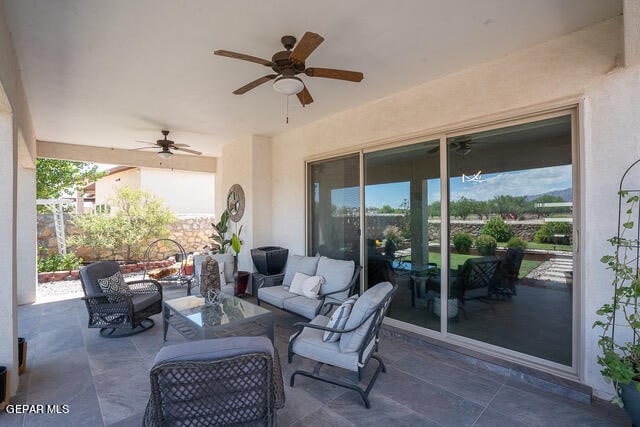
462, 242
57, 262
621, 361
219, 236
486, 244
498, 229
517, 243
547, 231
136, 218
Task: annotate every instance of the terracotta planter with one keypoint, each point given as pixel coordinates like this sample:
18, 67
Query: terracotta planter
43, 277
75, 274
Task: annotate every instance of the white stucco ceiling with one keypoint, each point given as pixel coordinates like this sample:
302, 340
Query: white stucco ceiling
108, 73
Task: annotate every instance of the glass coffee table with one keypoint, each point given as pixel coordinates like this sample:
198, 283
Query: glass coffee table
230, 316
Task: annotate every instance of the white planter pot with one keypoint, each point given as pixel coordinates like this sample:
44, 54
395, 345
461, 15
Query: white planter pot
452, 307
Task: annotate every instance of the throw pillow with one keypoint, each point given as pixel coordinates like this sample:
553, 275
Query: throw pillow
114, 284
296, 283
311, 286
339, 319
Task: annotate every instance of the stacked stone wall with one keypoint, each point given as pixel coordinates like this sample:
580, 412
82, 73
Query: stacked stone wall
375, 225
192, 232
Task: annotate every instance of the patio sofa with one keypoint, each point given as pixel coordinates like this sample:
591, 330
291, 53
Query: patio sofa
338, 282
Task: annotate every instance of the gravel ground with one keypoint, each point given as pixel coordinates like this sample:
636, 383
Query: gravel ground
67, 289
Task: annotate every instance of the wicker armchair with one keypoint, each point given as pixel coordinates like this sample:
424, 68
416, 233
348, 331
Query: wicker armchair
118, 314
223, 381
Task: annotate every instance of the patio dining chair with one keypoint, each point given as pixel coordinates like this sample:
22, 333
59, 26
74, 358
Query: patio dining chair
117, 307
222, 381
349, 344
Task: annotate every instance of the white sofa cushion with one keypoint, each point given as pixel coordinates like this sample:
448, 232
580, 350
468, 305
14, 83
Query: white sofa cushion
337, 274
275, 295
299, 264
296, 284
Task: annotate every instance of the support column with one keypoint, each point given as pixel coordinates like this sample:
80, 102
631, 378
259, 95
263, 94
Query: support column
419, 222
8, 284
26, 226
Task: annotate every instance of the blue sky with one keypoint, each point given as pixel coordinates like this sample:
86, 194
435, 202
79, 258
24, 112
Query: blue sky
518, 183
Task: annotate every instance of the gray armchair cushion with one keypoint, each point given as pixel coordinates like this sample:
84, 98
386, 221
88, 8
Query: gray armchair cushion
299, 264
213, 349
97, 270
364, 306
337, 274
310, 344
142, 301
302, 305
274, 295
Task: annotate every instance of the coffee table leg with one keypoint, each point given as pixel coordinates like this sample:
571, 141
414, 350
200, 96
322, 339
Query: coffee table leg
165, 321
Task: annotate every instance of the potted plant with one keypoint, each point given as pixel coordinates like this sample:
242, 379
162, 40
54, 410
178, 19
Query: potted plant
620, 317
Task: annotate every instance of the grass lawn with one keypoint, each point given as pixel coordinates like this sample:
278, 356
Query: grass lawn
459, 259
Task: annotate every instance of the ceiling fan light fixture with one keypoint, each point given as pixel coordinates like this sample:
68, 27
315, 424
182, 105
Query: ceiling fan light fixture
165, 154
288, 85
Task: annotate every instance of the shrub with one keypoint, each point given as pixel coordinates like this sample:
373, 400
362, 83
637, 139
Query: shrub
486, 244
498, 229
548, 229
517, 243
462, 242
57, 262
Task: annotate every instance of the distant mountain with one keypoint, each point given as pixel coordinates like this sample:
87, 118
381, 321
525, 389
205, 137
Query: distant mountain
566, 194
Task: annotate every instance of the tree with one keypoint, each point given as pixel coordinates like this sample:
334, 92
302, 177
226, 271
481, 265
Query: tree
386, 209
136, 218
462, 208
509, 206
55, 178
58, 178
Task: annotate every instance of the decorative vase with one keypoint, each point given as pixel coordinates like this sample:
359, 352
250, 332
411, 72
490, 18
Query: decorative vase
631, 399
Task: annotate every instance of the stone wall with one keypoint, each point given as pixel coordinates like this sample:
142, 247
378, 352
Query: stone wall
192, 232
375, 225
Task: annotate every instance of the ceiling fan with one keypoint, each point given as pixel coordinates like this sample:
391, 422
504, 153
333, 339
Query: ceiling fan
288, 63
462, 146
166, 145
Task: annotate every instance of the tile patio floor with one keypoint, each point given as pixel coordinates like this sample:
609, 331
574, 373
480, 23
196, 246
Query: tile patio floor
105, 382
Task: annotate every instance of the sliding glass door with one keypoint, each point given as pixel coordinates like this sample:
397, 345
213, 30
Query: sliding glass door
333, 187
501, 278
402, 226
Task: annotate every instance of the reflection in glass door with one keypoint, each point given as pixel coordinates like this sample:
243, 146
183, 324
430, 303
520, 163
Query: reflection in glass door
510, 232
402, 223
333, 188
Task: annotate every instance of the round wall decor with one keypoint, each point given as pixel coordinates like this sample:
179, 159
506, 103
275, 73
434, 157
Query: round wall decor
235, 202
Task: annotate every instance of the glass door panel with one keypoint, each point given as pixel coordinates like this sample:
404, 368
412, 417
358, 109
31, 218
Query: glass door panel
510, 236
334, 208
402, 228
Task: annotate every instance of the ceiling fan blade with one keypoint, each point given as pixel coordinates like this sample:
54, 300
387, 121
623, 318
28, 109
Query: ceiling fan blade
308, 43
246, 88
304, 96
330, 73
143, 148
179, 145
242, 56
147, 142
187, 150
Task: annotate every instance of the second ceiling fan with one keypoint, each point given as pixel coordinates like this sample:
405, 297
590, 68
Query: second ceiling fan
288, 63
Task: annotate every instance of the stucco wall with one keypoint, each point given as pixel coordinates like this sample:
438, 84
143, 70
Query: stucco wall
107, 186
575, 67
183, 192
17, 140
